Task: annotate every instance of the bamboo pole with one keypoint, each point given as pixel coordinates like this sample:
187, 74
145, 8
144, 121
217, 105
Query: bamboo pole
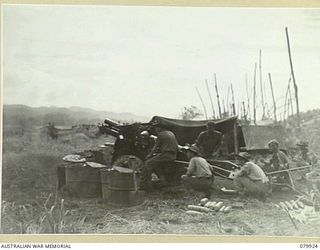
248, 96
218, 98
274, 101
290, 102
254, 95
244, 110
204, 107
293, 78
261, 87
286, 100
228, 93
224, 108
233, 103
213, 113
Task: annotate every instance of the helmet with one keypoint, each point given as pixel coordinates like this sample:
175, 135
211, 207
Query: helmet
245, 155
273, 142
145, 133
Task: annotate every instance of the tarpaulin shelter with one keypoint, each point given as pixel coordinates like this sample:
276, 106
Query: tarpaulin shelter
187, 131
257, 136
236, 136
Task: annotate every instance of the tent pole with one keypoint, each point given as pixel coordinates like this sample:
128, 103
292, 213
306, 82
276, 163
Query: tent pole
293, 78
274, 101
204, 107
213, 113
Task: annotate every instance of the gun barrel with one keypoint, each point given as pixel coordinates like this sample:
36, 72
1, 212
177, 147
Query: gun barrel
111, 123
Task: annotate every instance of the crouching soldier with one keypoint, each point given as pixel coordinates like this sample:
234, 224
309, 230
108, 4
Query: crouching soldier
279, 161
306, 157
250, 180
199, 175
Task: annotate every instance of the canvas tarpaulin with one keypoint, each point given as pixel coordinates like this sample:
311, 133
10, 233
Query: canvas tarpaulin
257, 137
187, 131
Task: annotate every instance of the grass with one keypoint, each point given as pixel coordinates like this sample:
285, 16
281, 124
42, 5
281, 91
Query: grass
29, 178
31, 205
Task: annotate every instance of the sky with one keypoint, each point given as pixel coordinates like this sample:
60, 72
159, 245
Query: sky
149, 60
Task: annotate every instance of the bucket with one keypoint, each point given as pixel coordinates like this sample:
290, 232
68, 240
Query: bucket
120, 186
83, 180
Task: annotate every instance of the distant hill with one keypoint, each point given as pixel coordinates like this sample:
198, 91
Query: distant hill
39, 116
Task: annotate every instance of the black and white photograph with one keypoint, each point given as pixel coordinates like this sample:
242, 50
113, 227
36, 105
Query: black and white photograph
160, 120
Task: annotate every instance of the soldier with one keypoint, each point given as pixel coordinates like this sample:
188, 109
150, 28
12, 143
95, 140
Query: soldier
209, 141
252, 181
144, 144
305, 157
164, 151
279, 161
199, 173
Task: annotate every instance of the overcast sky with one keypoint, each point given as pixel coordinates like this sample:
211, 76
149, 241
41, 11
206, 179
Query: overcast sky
148, 60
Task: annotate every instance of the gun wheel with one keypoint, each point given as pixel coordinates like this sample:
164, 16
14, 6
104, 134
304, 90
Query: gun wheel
129, 161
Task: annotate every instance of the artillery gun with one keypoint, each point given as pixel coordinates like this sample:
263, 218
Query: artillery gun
131, 148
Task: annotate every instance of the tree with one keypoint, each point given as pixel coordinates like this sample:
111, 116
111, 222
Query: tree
190, 113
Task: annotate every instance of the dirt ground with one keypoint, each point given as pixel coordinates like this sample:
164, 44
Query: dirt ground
30, 204
164, 212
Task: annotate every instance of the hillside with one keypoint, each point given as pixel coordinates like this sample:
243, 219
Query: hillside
39, 116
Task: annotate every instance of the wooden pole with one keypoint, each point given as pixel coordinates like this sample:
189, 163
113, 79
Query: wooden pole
213, 113
248, 96
204, 107
254, 95
286, 99
244, 110
293, 78
290, 102
228, 100
274, 101
224, 108
218, 99
233, 103
261, 87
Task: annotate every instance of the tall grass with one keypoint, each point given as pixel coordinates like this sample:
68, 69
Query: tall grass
29, 177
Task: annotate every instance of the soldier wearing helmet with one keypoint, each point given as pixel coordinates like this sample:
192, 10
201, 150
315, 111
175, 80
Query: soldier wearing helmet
305, 157
144, 143
278, 161
250, 180
199, 174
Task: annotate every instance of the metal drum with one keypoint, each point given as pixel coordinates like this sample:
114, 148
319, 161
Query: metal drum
105, 175
120, 186
83, 180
